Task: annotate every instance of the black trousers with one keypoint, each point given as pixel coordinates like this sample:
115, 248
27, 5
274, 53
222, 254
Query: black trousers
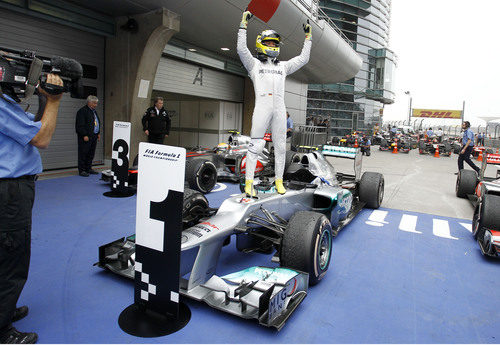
16, 203
156, 138
86, 152
466, 157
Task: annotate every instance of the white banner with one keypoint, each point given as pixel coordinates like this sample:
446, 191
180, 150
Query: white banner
161, 169
120, 154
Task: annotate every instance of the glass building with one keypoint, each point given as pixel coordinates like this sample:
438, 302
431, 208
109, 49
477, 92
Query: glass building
357, 104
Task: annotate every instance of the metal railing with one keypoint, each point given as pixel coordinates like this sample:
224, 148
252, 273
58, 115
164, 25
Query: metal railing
307, 135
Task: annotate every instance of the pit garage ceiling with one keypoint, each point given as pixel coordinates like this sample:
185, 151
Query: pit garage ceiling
213, 24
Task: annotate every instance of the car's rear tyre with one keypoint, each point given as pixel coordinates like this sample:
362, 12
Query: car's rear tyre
486, 216
466, 183
371, 189
307, 244
194, 207
201, 175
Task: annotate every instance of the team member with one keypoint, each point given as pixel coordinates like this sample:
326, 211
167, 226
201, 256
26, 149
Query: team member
467, 145
439, 134
289, 125
20, 161
156, 123
268, 76
430, 133
87, 128
365, 145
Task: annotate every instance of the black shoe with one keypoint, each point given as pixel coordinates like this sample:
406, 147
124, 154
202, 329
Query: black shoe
92, 172
20, 313
13, 336
84, 174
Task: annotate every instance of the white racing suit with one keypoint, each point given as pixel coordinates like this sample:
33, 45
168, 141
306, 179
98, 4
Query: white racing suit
268, 80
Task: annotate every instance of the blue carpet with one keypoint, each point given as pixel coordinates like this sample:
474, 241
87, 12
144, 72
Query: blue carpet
384, 285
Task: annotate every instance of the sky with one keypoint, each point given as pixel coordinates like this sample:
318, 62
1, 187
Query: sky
448, 52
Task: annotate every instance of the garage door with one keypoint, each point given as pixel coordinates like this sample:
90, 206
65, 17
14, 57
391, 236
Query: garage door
18, 31
190, 79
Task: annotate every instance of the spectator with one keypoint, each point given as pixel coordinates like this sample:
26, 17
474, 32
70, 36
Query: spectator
289, 125
467, 145
156, 122
20, 161
87, 128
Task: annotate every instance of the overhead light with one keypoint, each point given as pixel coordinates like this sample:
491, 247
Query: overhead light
192, 49
225, 49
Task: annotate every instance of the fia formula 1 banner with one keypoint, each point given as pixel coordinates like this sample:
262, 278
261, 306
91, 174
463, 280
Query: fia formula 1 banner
160, 193
437, 114
120, 155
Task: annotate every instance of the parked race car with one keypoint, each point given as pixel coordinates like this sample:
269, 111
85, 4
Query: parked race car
402, 142
298, 227
429, 146
484, 194
205, 166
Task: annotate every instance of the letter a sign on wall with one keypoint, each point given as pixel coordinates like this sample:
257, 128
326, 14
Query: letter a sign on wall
160, 193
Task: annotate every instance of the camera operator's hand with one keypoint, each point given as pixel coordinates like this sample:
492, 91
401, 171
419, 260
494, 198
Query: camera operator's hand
53, 79
49, 117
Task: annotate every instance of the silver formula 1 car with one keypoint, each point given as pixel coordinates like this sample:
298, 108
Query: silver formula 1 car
298, 227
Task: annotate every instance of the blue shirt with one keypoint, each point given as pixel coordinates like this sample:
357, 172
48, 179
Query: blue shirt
394, 129
430, 133
289, 123
96, 122
17, 128
468, 134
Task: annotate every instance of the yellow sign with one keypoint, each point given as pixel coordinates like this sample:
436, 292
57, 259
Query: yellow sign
437, 114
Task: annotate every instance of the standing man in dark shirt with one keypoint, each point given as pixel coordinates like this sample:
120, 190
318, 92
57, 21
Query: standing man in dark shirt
156, 122
87, 128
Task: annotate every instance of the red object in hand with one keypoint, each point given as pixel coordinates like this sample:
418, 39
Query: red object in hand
263, 9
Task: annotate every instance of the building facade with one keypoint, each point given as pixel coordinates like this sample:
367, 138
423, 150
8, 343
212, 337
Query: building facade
357, 104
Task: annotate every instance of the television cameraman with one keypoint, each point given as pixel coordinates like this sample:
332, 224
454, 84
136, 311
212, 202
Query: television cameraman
20, 139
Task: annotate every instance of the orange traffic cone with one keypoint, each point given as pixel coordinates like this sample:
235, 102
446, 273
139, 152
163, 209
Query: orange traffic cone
436, 153
395, 150
356, 143
480, 157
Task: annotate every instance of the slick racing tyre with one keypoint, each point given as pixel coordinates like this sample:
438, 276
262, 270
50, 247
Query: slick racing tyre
201, 175
486, 216
194, 207
371, 189
307, 244
466, 183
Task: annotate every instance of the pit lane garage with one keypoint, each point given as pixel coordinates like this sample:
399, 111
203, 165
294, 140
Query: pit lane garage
394, 276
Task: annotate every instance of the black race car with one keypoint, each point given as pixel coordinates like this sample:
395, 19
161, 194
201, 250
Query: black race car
429, 146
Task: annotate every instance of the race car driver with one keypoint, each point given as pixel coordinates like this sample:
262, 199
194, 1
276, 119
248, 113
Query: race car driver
268, 76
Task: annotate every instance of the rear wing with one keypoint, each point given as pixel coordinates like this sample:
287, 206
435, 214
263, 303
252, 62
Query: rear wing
489, 158
345, 152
